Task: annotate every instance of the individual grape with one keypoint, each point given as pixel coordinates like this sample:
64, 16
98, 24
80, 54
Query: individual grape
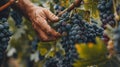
56, 7
1, 27
68, 26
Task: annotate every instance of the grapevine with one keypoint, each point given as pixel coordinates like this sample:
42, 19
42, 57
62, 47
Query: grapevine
84, 41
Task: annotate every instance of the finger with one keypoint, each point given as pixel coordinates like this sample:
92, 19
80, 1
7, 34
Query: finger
40, 33
50, 15
42, 23
45, 39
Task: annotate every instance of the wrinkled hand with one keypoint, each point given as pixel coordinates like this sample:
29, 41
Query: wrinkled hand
39, 17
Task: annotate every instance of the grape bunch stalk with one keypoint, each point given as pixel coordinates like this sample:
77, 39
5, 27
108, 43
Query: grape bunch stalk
106, 13
4, 37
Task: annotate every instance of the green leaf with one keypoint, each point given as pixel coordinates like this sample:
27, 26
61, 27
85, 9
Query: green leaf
91, 5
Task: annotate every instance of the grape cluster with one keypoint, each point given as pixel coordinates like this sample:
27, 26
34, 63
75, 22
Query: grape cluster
14, 14
4, 37
74, 30
78, 30
106, 14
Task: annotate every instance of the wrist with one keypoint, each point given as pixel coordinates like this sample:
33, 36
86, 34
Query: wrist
25, 5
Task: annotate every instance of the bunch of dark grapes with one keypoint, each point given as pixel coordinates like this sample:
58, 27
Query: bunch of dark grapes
14, 14
75, 30
4, 37
117, 39
106, 14
17, 17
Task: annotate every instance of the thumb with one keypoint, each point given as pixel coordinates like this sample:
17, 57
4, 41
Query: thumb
50, 15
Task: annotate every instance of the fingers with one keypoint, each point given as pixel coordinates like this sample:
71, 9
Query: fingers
50, 15
42, 35
42, 23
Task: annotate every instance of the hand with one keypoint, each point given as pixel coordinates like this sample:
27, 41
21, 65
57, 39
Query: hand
39, 17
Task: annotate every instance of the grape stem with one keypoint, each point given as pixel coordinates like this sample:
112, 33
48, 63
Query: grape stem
71, 7
6, 5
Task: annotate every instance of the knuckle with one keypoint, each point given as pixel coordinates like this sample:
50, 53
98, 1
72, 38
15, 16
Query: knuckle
45, 9
49, 31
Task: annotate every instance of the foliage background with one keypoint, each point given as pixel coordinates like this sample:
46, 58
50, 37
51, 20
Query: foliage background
24, 35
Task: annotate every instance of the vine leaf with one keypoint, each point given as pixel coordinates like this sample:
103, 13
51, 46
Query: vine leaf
91, 5
91, 53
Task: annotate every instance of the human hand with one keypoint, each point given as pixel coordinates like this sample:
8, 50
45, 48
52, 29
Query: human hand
39, 16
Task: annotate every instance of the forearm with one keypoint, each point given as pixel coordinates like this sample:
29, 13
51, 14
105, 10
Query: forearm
25, 6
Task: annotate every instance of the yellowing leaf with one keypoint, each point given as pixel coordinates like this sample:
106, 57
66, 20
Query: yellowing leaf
91, 5
91, 51
65, 3
30, 37
77, 47
43, 51
90, 45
